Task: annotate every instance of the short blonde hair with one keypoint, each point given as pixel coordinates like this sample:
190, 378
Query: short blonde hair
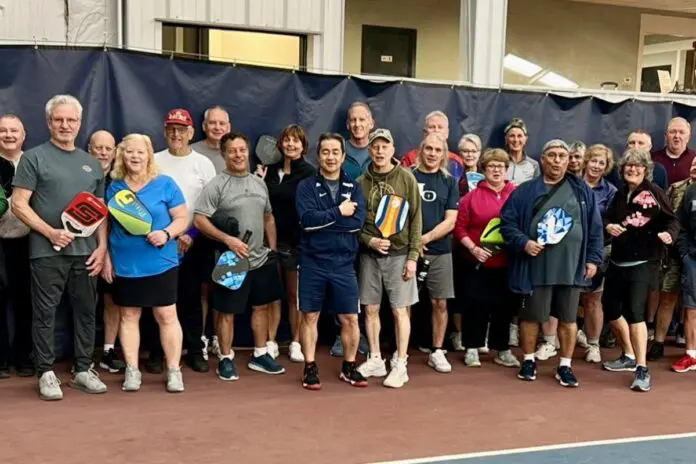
493, 155
599, 149
119, 170
471, 138
445, 152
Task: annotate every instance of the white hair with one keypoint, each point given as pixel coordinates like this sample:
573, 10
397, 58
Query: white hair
63, 100
432, 114
216, 107
678, 120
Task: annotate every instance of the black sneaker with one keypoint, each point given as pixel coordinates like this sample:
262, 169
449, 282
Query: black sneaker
197, 363
528, 370
153, 365
350, 374
656, 351
310, 378
566, 377
4, 371
111, 362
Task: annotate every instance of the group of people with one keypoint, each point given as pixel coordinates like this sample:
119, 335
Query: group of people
574, 232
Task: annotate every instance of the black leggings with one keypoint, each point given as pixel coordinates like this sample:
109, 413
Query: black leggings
626, 291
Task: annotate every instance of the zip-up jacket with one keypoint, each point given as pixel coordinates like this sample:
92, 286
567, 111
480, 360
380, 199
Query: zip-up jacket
329, 239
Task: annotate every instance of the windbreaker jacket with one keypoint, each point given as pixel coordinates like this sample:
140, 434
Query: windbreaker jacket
516, 221
329, 240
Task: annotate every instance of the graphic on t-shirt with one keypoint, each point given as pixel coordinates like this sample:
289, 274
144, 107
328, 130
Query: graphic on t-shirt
643, 207
426, 195
554, 226
391, 215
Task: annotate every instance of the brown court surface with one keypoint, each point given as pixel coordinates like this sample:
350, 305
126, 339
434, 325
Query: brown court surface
264, 419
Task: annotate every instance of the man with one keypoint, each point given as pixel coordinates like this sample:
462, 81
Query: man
102, 146
238, 196
48, 178
641, 140
191, 171
390, 261
686, 246
552, 275
216, 123
14, 239
440, 197
576, 162
676, 157
331, 210
438, 123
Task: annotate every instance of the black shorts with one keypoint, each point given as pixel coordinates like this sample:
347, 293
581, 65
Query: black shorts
626, 291
261, 286
560, 301
104, 287
142, 292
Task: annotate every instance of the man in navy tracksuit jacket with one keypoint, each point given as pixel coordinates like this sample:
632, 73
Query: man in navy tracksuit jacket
331, 210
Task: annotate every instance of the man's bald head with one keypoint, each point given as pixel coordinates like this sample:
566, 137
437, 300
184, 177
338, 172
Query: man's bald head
102, 146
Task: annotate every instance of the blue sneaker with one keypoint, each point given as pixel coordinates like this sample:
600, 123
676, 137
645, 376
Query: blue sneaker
265, 364
641, 381
337, 348
622, 364
363, 347
528, 370
566, 377
227, 370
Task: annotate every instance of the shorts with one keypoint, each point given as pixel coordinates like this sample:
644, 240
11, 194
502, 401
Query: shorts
204, 253
261, 286
145, 292
671, 275
287, 256
440, 279
688, 282
386, 272
559, 301
335, 290
626, 291
104, 287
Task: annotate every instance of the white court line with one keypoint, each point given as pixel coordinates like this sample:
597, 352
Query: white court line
483, 454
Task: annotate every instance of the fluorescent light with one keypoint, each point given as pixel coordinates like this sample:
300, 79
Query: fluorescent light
552, 79
520, 66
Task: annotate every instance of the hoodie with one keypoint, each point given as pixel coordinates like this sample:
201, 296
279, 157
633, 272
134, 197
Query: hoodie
398, 181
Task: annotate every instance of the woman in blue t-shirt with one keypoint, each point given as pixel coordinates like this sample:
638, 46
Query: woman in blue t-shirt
144, 269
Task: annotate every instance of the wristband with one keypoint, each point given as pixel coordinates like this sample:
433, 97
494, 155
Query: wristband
169, 236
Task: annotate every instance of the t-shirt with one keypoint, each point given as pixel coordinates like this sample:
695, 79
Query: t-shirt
357, 160
55, 177
334, 185
244, 198
191, 173
213, 154
525, 170
134, 256
439, 193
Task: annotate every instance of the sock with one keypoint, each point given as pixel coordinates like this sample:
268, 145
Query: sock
529, 357
564, 362
691, 353
434, 348
593, 341
108, 346
258, 352
550, 339
630, 356
375, 355
227, 356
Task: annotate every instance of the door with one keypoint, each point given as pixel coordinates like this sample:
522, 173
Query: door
388, 51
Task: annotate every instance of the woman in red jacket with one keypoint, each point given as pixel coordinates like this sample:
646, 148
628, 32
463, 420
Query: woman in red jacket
483, 291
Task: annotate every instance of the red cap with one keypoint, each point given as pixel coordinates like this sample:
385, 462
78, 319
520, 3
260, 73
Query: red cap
179, 117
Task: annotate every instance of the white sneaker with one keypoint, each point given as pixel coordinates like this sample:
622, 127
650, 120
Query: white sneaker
215, 347
456, 339
471, 358
484, 349
546, 351
398, 375
273, 350
514, 335
438, 361
204, 339
506, 359
373, 367
593, 354
582, 340
295, 352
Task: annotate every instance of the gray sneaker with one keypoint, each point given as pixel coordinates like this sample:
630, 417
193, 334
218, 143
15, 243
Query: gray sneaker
49, 387
88, 382
175, 381
622, 364
133, 379
641, 381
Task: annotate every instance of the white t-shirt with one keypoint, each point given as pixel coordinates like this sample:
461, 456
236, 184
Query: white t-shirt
191, 173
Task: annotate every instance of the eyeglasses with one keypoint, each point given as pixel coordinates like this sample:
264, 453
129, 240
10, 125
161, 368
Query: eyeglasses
468, 152
495, 167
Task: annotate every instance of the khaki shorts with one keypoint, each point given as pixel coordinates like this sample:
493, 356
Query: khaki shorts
670, 276
440, 280
385, 272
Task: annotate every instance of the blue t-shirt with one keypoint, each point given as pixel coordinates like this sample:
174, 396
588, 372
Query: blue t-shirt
357, 161
439, 193
134, 256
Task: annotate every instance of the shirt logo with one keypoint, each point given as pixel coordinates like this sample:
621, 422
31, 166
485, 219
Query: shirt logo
426, 195
323, 194
346, 196
86, 168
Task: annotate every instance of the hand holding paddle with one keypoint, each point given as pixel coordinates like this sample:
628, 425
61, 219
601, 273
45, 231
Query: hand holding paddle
533, 248
261, 171
81, 218
61, 238
238, 246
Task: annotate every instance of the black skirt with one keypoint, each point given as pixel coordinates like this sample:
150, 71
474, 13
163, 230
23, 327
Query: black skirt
141, 292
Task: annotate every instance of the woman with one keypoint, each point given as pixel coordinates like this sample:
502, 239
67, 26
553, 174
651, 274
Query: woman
523, 167
598, 162
484, 286
143, 270
282, 179
641, 222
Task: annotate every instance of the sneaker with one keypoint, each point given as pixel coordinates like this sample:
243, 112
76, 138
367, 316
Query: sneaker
111, 362
651, 335
226, 370
153, 365
685, 364
215, 347
205, 341
373, 367
514, 335
424, 349
593, 354
484, 349
398, 375
471, 359
49, 387
582, 340
265, 364
88, 381
656, 351
133, 379
566, 377
351, 375
175, 380
363, 346
681, 341
273, 350
295, 352
456, 339
506, 359
438, 361
622, 364
337, 348
546, 351
641, 381
310, 377
528, 370
197, 363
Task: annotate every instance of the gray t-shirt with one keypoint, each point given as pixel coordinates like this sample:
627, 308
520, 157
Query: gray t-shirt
244, 198
213, 155
55, 177
557, 264
333, 188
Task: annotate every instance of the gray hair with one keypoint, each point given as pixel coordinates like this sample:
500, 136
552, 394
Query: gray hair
445, 156
63, 100
471, 138
433, 114
577, 147
636, 156
216, 107
555, 143
360, 104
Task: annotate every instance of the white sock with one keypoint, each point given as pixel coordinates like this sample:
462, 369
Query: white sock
227, 356
375, 355
630, 356
565, 362
593, 341
529, 357
108, 346
258, 352
550, 339
691, 353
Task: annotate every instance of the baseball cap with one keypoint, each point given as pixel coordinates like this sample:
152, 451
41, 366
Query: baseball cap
555, 143
380, 134
179, 117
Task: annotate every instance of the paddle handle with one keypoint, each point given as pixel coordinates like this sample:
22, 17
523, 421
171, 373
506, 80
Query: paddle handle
247, 236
